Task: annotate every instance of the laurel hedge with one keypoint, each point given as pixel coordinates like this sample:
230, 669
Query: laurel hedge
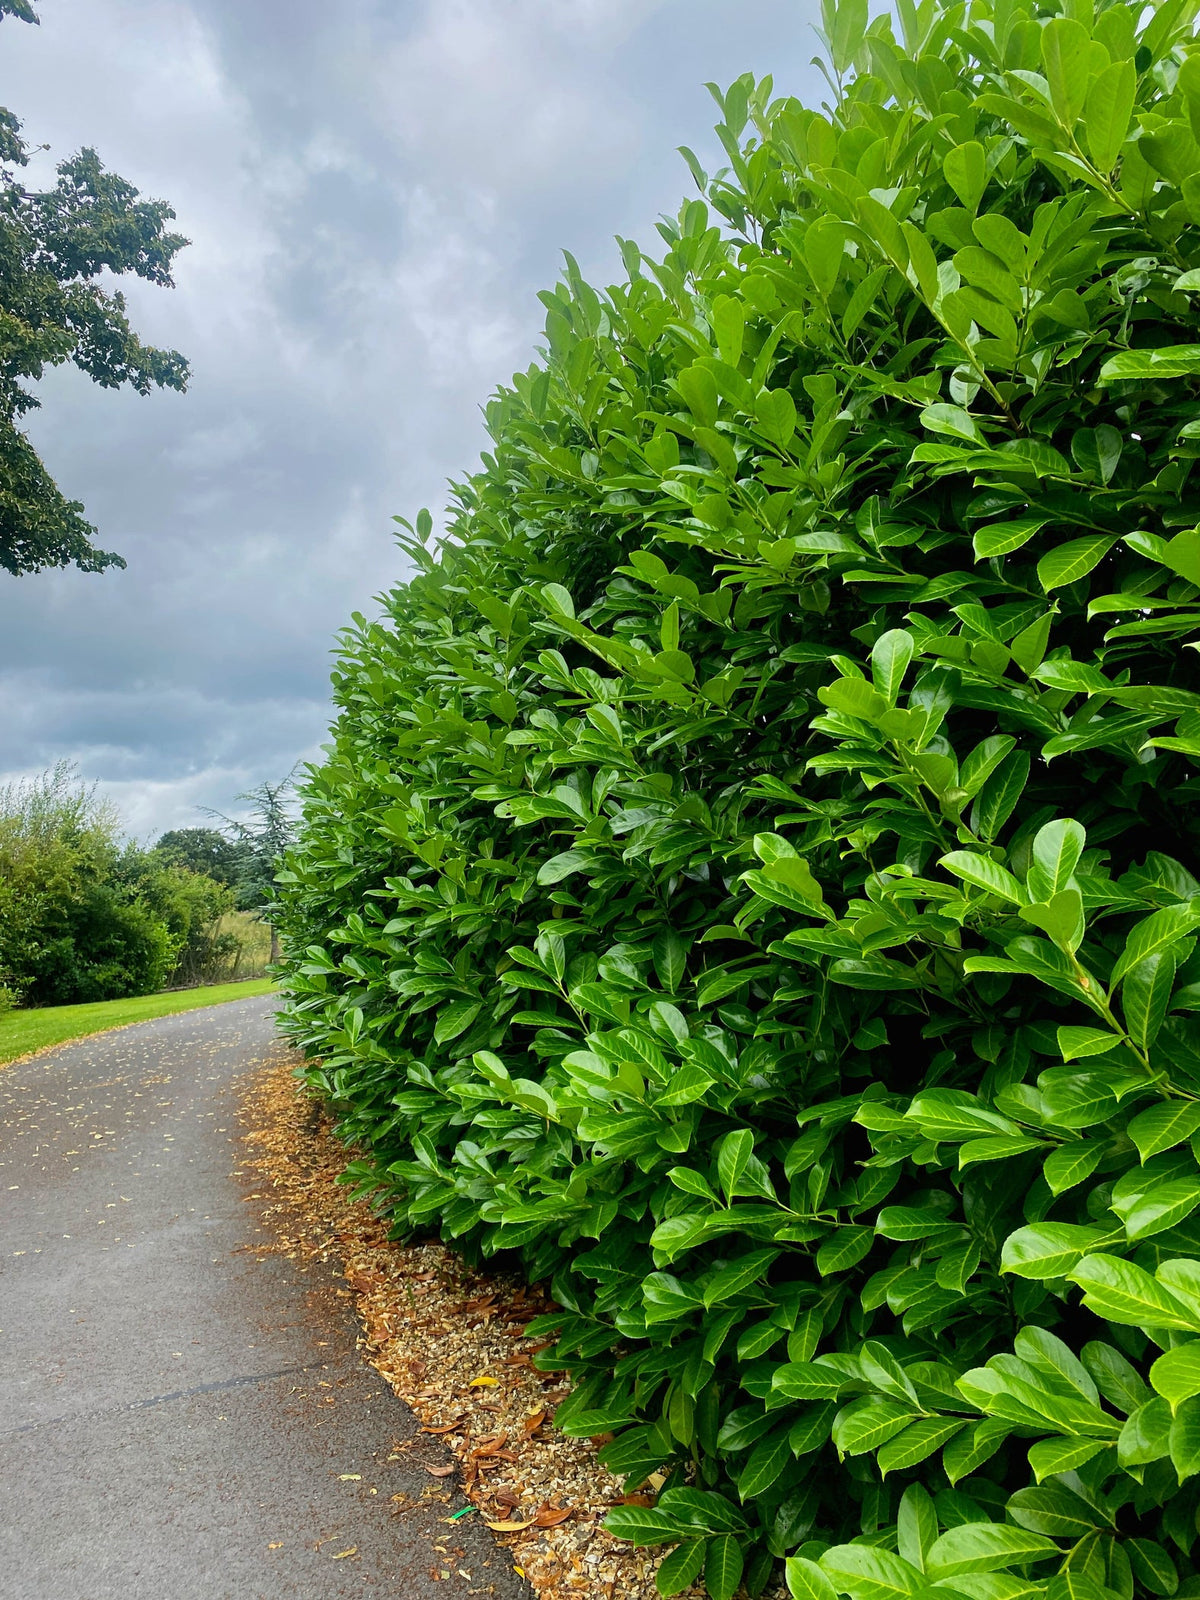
753, 881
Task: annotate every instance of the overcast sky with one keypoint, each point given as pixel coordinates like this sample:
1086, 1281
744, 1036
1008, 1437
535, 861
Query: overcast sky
375, 191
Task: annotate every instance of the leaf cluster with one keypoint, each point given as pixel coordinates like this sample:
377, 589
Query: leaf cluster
787, 944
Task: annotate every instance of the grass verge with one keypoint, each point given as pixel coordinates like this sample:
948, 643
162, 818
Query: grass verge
22, 1033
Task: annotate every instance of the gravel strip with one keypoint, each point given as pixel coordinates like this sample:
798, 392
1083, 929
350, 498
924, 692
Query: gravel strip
450, 1341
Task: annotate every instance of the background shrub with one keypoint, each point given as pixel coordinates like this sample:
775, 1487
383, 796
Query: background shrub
86, 915
753, 876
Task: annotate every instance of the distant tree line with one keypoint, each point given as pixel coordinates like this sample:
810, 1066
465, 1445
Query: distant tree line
86, 914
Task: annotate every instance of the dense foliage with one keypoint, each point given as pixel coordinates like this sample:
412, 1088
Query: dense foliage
85, 915
55, 246
205, 850
755, 874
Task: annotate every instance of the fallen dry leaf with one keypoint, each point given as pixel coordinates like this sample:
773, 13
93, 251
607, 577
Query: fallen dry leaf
550, 1516
483, 1381
491, 1446
510, 1527
342, 1554
439, 1472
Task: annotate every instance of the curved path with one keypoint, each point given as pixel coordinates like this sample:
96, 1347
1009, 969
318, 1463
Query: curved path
182, 1418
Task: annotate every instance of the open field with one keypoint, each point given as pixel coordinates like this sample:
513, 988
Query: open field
23, 1032
254, 937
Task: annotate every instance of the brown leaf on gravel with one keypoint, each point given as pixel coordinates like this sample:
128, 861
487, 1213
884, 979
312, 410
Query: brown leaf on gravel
551, 1516
485, 1302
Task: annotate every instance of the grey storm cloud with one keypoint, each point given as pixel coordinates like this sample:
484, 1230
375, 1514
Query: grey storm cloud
375, 192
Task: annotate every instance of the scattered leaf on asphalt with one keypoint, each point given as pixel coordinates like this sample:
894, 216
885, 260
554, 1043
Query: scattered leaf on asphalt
510, 1527
342, 1554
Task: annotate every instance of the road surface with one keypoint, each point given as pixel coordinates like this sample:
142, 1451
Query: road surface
181, 1416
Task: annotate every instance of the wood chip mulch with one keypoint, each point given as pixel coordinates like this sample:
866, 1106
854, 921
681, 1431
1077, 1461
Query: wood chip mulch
450, 1341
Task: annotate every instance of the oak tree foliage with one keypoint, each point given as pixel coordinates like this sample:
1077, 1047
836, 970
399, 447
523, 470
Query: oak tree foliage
55, 244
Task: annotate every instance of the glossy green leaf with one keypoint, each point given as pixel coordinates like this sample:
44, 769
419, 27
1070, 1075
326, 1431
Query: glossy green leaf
1070, 562
1146, 1436
455, 1020
985, 1547
891, 657
870, 1574
965, 167
806, 1581
1057, 848
984, 873
844, 1249
1055, 1510
1176, 1373
1162, 1207
1048, 1249
971, 1448
766, 1463
1157, 932
680, 1568
1071, 1164
864, 1427
723, 1565
1075, 1043
1127, 1294
1051, 1456
916, 1443
1164, 1126
1184, 1441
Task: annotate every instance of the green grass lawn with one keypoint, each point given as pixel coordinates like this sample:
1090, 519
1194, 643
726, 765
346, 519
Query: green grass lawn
22, 1032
